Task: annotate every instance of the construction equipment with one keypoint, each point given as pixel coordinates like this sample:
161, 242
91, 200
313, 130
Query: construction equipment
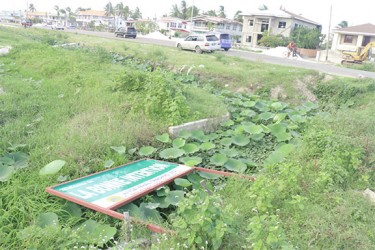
362, 54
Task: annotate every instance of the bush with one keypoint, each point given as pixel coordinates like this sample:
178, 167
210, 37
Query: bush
273, 41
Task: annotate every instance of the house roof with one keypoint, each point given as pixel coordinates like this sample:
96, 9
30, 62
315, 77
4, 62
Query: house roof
170, 19
366, 28
215, 19
281, 13
37, 13
92, 13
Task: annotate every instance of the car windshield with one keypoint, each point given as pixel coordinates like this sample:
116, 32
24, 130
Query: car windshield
131, 29
224, 36
211, 38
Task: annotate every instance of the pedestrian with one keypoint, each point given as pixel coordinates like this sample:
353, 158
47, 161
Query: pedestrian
291, 47
294, 49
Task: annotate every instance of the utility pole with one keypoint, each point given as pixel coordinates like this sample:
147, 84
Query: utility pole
191, 17
329, 32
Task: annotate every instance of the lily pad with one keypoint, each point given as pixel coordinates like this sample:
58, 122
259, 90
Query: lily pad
248, 113
230, 152
146, 151
249, 104
190, 148
218, 159
226, 141
228, 123
47, 219
209, 176
20, 160
298, 118
257, 137
241, 140
92, 232
171, 153
132, 151
73, 209
195, 179
235, 165
120, 149
207, 146
52, 167
178, 143
184, 134
182, 182
174, 197
253, 129
163, 138
6, 173
279, 117
279, 154
191, 161
266, 115
108, 164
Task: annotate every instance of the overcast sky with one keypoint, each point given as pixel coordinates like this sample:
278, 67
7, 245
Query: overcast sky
354, 12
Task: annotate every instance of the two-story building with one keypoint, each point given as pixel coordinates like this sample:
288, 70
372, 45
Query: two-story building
98, 17
279, 22
171, 25
202, 24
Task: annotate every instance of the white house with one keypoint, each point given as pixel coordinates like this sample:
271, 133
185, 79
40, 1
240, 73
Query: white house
351, 38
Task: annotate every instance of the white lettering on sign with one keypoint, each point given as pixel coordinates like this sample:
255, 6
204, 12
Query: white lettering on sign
115, 183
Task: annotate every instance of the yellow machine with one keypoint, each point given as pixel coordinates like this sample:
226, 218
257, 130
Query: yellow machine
362, 54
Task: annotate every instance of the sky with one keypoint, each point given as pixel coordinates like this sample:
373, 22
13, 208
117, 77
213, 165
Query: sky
354, 12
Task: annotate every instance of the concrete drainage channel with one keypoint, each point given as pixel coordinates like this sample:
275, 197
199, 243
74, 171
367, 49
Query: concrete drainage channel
204, 124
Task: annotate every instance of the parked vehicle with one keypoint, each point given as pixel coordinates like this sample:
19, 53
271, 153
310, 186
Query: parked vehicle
225, 41
57, 27
126, 32
200, 43
26, 23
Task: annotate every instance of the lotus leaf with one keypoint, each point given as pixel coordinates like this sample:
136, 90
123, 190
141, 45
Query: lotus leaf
235, 165
266, 116
207, 146
52, 167
278, 106
178, 143
184, 134
161, 201
152, 205
212, 136
277, 128
132, 151
92, 232
279, 154
298, 118
226, 141
218, 159
279, 117
48, 219
171, 153
228, 123
209, 176
191, 161
146, 151
283, 136
257, 137
120, 150
108, 164
253, 129
190, 148
230, 152
73, 209
248, 113
249, 104
163, 138
195, 179
182, 182
241, 140
20, 159
174, 197
6, 173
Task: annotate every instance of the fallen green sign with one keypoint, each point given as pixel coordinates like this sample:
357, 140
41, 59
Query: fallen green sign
115, 187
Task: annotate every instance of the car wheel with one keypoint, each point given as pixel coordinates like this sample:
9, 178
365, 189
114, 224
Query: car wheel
198, 50
179, 46
226, 49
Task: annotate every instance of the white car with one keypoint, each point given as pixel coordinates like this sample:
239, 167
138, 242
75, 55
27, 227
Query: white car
57, 27
200, 43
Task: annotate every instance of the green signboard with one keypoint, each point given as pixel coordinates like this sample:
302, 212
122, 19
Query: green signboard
115, 187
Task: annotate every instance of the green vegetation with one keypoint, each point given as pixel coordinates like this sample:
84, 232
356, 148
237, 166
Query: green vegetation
69, 111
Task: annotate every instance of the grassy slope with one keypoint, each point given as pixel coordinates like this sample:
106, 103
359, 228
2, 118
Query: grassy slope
61, 114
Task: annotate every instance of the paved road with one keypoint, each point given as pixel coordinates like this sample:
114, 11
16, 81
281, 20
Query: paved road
321, 67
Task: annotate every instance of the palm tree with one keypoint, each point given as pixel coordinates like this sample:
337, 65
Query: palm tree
136, 14
126, 12
175, 11
342, 24
238, 16
221, 11
32, 7
194, 9
210, 13
109, 9
119, 8
183, 10
57, 8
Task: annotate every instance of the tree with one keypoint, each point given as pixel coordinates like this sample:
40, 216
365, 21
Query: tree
32, 7
81, 9
210, 13
342, 24
195, 11
222, 12
175, 11
126, 12
238, 16
184, 10
263, 7
136, 14
109, 11
307, 38
57, 8
119, 9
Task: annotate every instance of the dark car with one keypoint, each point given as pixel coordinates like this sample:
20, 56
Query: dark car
126, 32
